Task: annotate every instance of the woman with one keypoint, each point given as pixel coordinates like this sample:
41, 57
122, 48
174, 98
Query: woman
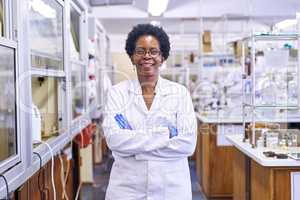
149, 125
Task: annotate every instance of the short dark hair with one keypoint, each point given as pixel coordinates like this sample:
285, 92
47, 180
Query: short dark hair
148, 29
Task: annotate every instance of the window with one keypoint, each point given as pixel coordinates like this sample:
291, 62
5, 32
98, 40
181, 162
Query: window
8, 136
46, 34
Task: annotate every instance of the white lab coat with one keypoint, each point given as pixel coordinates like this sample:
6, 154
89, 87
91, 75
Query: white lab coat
148, 165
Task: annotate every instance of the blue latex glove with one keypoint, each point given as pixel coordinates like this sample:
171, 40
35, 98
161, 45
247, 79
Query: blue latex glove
173, 131
122, 122
119, 122
166, 123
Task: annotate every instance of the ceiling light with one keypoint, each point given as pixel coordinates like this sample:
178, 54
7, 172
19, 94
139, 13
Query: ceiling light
157, 7
286, 23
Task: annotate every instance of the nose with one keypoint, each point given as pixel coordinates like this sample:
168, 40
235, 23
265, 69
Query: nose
147, 54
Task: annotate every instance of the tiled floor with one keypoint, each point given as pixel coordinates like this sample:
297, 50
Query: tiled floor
101, 177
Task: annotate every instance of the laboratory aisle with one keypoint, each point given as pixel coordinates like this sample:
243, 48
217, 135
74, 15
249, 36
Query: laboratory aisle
96, 191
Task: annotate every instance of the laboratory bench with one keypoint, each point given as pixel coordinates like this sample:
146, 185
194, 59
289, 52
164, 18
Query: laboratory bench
214, 155
256, 176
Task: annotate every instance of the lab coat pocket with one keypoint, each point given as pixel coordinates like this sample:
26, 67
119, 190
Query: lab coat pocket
123, 179
177, 182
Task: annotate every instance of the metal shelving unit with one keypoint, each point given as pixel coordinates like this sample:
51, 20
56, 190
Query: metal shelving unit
251, 94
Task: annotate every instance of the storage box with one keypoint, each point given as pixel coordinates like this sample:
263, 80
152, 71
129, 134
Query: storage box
206, 37
207, 48
238, 50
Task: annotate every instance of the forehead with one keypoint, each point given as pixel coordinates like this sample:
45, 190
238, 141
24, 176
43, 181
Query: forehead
147, 41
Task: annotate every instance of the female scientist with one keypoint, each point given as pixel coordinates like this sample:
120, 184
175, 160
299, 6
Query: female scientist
149, 125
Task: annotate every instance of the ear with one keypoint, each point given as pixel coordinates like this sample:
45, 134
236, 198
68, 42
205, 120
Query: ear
131, 59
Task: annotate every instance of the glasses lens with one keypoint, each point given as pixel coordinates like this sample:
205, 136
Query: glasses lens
142, 52
154, 52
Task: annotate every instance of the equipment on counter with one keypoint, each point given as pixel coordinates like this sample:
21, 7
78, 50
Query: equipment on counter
36, 123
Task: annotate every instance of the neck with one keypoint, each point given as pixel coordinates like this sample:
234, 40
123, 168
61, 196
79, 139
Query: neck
148, 86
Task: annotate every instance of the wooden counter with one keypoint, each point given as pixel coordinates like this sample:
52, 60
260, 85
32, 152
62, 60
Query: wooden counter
256, 177
213, 163
267, 183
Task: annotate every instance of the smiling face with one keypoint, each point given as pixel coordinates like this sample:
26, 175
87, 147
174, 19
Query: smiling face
147, 59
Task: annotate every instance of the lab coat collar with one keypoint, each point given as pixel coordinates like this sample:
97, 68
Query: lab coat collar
160, 89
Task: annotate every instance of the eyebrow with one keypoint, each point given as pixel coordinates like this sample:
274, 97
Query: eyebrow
145, 48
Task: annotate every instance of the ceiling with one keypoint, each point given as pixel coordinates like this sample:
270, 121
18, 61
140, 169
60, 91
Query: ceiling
182, 16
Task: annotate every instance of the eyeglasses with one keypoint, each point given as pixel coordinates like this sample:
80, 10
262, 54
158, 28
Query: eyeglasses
142, 52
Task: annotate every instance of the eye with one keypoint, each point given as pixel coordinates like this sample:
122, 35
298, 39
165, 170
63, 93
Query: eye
139, 51
154, 52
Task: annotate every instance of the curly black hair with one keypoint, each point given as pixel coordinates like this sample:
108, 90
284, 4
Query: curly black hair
148, 29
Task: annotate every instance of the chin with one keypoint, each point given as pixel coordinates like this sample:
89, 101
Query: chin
149, 77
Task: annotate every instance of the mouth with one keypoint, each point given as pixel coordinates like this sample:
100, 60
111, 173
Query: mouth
146, 65
147, 69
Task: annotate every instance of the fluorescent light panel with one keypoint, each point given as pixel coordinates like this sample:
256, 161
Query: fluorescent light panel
157, 7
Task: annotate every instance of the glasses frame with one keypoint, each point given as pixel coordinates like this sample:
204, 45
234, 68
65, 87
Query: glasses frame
147, 51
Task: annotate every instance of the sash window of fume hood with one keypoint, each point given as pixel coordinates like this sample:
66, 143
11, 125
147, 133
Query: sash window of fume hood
75, 32
78, 62
8, 115
9, 132
46, 34
48, 73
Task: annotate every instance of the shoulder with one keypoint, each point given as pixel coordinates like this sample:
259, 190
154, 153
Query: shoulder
174, 87
121, 87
